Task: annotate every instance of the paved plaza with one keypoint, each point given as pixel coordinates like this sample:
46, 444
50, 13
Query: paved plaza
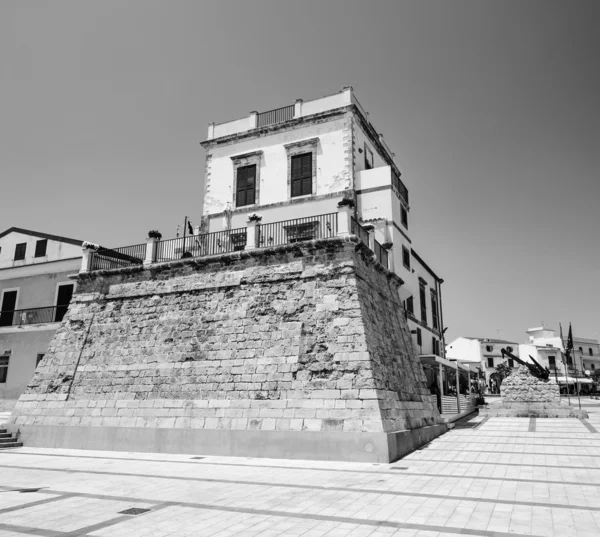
492, 478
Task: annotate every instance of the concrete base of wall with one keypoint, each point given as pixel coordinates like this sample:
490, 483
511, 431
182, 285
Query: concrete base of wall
340, 446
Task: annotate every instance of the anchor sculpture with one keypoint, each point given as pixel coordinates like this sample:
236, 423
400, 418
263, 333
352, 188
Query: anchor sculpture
543, 373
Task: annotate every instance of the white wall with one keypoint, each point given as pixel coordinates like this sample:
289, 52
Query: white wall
332, 173
55, 250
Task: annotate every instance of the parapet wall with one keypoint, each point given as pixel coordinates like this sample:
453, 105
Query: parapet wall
297, 351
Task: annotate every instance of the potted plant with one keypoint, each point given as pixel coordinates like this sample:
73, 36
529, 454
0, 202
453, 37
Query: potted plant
154, 234
90, 245
346, 202
254, 217
387, 245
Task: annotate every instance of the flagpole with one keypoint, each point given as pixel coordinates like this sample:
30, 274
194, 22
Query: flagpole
184, 230
565, 364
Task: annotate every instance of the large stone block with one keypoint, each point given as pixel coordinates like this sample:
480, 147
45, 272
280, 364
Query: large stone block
308, 339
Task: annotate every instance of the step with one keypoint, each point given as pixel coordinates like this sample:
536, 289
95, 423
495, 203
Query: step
5, 435
12, 445
7, 440
3, 431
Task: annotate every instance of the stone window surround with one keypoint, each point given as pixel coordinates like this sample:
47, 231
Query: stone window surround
247, 159
300, 148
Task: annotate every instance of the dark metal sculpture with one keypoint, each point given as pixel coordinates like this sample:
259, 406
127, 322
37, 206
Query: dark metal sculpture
543, 373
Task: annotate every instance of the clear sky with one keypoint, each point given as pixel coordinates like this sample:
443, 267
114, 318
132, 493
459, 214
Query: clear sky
492, 109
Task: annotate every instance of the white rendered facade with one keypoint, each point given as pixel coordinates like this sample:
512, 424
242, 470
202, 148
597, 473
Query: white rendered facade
345, 157
34, 291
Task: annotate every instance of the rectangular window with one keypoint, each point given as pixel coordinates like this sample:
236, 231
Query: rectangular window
511, 363
8, 307
423, 303
435, 346
3, 369
368, 158
490, 362
404, 216
245, 186
406, 257
39, 359
20, 250
593, 366
40, 248
419, 340
434, 311
410, 305
591, 352
302, 175
552, 362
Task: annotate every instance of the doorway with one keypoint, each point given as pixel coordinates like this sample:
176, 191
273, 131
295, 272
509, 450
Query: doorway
9, 304
63, 299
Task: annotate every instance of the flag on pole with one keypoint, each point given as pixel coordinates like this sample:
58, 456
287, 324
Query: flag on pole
562, 341
190, 227
570, 340
177, 230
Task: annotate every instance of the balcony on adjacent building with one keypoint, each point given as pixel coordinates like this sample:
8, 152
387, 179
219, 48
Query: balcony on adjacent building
32, 316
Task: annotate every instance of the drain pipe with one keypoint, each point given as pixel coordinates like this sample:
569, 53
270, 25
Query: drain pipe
87, 333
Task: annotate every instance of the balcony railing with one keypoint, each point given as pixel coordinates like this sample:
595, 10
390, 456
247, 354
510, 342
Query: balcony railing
275, 116
300, 229
126, 256
360, 232
50, 314
220, 242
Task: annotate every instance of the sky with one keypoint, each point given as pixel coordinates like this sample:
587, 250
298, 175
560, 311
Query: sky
492, 109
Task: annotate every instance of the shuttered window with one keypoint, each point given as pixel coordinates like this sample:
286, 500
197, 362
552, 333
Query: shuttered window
40, 248
20, 250
302, 175
246, 186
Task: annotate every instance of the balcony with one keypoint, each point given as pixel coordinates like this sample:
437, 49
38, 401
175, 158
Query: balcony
257, 235
31, 316
379, 177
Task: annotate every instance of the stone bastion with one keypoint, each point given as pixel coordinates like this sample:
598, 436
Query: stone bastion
523, 394
299, 351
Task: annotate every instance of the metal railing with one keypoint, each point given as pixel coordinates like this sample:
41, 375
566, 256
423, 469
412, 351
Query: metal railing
359, 231
300, 229
275, 116
50, 314
381, 254
220, 242
112, 258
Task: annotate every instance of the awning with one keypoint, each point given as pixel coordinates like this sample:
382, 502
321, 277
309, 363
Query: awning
571, 380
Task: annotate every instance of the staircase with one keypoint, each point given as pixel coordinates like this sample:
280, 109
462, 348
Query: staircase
8, 440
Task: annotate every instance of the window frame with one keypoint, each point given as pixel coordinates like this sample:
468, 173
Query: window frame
434, 310
368, 151
4, 368
490, 358
551, 365
242, 161
423, 302
403, 215
297, 149
405, 257
43, 242
17, 249
246, 189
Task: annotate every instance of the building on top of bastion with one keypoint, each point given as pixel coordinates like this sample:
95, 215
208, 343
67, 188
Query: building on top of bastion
296, 162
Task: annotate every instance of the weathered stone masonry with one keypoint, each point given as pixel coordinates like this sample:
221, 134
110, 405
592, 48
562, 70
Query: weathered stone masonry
297, 339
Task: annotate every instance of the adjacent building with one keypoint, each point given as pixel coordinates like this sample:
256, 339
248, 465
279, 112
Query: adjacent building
292, 166
547, 348
35, 292
484, 355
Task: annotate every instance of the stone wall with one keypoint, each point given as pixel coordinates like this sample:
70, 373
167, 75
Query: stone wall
522, 387
302, 338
